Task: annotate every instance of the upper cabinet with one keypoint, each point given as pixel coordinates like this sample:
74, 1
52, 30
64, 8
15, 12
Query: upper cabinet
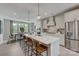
71, 15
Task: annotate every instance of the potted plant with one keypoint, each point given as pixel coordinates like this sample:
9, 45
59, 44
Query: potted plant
22, 29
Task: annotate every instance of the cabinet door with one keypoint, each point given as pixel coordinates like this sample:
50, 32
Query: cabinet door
62, 40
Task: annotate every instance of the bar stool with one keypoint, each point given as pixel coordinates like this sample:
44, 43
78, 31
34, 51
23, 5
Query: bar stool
21, 39
29, 45
39, 49
24, 46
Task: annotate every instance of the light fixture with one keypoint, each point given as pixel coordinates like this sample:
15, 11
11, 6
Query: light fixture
38, 17
28, 15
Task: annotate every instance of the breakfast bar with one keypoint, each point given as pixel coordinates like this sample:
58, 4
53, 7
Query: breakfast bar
51, 42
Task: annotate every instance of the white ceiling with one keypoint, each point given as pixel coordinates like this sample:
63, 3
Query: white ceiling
21, 9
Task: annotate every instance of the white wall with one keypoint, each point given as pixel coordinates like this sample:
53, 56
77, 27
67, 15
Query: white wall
6, 30
36, 22
60, 21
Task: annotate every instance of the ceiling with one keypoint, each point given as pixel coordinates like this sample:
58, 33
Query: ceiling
20, 10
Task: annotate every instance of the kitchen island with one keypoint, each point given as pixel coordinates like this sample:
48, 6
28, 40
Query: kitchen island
51, 42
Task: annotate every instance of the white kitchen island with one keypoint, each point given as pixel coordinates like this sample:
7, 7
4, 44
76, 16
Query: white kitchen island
50, 41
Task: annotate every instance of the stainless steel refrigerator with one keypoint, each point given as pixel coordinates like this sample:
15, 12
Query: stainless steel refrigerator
72, 35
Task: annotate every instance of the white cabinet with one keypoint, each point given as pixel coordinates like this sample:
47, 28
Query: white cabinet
62, 41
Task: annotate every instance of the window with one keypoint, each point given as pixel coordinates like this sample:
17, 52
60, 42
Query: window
14, 27
26, 27
18, 25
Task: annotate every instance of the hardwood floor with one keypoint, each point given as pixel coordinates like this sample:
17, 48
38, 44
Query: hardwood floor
11, 50
14, 49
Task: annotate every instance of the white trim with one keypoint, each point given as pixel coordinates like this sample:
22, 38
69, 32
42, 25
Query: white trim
14, 19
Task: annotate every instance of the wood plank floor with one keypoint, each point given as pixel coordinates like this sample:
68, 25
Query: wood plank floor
11, 50
14, 49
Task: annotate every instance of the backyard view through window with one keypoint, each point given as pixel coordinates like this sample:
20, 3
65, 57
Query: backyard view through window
17, 26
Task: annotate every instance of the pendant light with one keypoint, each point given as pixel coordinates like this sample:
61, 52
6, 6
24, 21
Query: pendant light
38, 17
28, 15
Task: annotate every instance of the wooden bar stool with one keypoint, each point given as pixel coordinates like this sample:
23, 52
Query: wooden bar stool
39, 49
